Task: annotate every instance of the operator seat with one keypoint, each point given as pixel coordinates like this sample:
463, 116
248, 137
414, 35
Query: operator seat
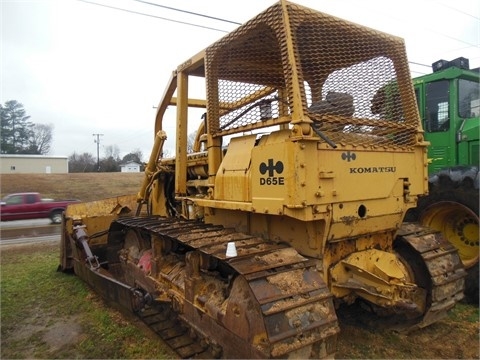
335, 103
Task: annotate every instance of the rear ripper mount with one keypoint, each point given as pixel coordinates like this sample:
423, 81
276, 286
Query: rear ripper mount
167, 269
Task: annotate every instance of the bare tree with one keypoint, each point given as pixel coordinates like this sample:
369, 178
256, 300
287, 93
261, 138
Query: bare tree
81, 163
136, 156
41, 139
112, 151
167, 153
111, 161
191, 142
138, 153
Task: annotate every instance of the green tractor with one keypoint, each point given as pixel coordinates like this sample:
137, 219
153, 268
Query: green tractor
449, 105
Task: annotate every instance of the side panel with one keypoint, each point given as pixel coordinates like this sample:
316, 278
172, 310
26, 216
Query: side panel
232, 182
275, 181
365, 190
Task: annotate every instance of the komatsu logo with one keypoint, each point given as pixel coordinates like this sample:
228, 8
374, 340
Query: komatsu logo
373, 170
349, 156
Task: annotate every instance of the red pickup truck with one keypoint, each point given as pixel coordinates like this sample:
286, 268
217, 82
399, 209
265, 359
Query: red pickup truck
22, 206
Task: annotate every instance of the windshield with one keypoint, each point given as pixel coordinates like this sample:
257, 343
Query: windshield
12, 199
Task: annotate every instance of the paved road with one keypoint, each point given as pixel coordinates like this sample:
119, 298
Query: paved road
26, 240
25, 231
24, 223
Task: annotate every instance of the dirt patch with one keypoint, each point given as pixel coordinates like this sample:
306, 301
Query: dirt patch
40, 330
63, 333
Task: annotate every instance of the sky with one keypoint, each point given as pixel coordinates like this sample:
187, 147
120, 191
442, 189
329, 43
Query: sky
90, 69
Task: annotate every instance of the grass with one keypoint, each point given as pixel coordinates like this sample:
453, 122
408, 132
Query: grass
455, 337
37, 301
82, 186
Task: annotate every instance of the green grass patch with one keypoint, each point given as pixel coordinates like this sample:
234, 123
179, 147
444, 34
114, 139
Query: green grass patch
465, 312
48, 314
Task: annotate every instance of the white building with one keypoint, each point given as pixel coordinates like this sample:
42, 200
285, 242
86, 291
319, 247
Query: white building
33, 164
130, 166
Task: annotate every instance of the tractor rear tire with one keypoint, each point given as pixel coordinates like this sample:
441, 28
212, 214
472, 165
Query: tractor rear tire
452, 208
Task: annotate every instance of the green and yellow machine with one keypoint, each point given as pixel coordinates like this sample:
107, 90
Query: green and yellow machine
291, 204
449, 104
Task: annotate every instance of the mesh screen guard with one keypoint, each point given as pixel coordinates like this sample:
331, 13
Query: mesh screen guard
351, 81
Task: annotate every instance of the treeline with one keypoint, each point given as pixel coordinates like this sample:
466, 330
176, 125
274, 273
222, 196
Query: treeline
111, 162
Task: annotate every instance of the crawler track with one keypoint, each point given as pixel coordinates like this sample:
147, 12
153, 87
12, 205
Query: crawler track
267, 302
277, 303
437, 268
165, 323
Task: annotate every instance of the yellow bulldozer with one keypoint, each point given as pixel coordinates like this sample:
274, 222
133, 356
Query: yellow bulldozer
289, 203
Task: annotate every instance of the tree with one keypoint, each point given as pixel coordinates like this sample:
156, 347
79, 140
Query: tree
41, 139
166, 153
16, 130
136, 156
109, 164
78, 163
112, 151
191, 142
20, 136
111, 161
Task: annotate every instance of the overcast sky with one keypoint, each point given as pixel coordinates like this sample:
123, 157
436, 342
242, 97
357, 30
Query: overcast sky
90, 69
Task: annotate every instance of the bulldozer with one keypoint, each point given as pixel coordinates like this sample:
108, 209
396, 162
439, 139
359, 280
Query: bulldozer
288, 204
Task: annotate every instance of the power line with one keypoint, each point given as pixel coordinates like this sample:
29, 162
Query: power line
153, 16
458, 10
237, 23
415, 63
189, 12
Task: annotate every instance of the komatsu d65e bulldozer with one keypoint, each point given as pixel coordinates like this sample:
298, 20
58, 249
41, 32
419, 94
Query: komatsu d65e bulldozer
289, 202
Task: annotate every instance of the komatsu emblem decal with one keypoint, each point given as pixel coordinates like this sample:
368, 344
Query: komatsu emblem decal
271, 168
349, 156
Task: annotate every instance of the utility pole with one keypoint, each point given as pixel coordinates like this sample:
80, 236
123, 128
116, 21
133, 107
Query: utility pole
97, 141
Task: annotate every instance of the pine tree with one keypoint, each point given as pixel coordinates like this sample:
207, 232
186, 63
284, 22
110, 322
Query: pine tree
16, 130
